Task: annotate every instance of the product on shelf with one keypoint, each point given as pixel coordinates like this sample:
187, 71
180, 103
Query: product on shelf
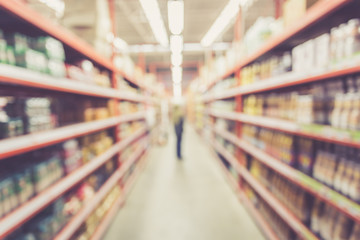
292, 196
21, 180
226, 106
335, 166
52, 219
85, 71
330, 224
126, 107
129, 128
42, 54
334, 102
224, 85
89, 227
278, 225
26, 115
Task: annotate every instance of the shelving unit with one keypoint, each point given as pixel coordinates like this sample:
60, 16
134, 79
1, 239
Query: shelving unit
311, 25
260, 221
82, 215
26, 20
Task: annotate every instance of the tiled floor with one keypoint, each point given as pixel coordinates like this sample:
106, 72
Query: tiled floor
182, 200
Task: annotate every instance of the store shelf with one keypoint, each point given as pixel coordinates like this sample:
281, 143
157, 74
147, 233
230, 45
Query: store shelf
285, 80
225, 94
254, 213
12, 221
223, 114
17, 145
313, 131
316, 188
133, 116
28, 78
21, 11
267, 196
317, 12
90, 206
227, 74
113, 211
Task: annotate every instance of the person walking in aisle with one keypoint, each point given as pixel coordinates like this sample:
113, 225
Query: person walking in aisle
178, 120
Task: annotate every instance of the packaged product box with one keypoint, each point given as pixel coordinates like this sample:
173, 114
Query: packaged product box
298, 58
9, 198
23, 185
322, 51
295, 9
52, 48
309, 51
40, 172
56, 68
3, 55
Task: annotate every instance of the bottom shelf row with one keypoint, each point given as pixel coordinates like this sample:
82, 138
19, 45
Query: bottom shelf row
83, 212
281, 209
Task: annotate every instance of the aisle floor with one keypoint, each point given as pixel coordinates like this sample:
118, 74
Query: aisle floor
178, 200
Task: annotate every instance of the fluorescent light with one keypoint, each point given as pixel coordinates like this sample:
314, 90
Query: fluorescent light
152, 13
187, 47
176, 43
176, 16
176, 74
224, 19
176, 59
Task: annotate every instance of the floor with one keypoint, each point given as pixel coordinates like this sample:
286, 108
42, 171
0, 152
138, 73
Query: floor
182, 200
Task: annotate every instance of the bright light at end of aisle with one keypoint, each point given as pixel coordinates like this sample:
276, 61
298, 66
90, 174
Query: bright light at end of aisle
176, 59
176, 43
177, 90
176, 73
176, 16
152, 13
221, 23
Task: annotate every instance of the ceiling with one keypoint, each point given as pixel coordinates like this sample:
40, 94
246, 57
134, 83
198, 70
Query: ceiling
132, 25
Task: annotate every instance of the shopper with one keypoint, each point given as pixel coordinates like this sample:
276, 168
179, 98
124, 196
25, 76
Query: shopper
178, 120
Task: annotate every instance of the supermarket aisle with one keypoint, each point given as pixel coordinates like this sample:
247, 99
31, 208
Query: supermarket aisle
177, 200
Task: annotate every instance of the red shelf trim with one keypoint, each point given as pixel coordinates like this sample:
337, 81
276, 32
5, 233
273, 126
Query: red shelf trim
314, 14
89, 207
267, 196
335, 199
17, 145
25, 13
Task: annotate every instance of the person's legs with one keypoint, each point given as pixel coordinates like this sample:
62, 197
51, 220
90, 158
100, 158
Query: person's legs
178, 145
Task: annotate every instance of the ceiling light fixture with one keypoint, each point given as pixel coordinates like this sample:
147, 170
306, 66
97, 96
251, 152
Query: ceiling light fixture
224, 19
176, 59
152, 13
176, 16
176, 43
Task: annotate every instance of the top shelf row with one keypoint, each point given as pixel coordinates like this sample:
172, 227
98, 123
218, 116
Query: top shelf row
27, 22
317, 18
